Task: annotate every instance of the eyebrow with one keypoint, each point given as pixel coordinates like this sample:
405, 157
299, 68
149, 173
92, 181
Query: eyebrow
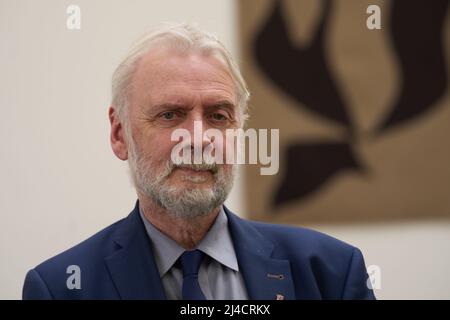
222, 104
169, 106
176, 106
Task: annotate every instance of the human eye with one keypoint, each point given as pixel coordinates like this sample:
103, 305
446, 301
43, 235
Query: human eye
170, 115
216, 116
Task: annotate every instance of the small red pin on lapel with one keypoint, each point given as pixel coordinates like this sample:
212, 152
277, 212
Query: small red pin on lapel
275, 276
280, 297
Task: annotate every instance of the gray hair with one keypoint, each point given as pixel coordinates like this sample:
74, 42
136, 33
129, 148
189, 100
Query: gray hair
185, 38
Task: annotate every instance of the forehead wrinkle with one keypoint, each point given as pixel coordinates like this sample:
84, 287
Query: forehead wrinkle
173, 77
183, 66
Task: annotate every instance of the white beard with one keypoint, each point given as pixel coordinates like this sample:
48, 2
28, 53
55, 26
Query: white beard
181, 202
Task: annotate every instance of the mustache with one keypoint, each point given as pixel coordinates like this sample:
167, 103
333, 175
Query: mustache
170, 167
213, 167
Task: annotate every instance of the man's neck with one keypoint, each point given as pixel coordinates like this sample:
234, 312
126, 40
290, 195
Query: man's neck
186, 232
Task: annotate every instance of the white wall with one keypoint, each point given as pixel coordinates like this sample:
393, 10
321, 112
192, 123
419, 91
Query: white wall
59, 181
414, 257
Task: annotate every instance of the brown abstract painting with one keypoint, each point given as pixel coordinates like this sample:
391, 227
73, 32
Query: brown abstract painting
363, 114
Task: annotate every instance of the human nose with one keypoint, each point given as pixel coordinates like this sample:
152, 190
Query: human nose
197, 127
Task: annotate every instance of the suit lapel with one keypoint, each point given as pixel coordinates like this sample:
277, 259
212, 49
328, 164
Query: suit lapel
135, 274
265, 278
132, 267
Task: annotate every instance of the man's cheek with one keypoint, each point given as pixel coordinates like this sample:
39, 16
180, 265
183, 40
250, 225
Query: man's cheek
160, 150
228, 148
226, 169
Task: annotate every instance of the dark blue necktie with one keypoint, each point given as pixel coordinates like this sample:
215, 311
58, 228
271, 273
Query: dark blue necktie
190, 263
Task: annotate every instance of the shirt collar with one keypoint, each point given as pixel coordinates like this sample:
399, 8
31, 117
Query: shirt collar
217, 244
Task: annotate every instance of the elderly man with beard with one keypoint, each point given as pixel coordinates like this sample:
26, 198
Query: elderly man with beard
180, 241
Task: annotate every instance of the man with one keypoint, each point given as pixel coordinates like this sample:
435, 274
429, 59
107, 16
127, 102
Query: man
180, 241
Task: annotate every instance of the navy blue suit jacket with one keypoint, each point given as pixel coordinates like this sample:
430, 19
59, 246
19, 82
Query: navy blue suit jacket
118, 263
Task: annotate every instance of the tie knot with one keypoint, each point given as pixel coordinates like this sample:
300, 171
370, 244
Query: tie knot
190, 262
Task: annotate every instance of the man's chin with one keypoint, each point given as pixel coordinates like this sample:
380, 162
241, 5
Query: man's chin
188, 200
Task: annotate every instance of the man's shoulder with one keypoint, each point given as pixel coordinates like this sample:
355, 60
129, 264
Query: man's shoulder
328, 267
283, 232
88, 252
85, 260
303, 241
